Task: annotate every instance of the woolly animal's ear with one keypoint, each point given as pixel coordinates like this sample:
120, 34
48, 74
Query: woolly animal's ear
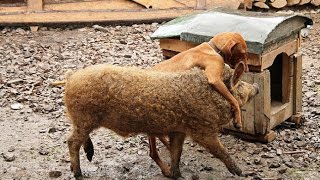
226, 50
238, 72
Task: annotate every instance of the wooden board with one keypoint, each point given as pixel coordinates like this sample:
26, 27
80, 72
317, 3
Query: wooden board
93, 5
297, 83
92, 16
265, 138
280, 112
176, 45
160, 4
286, 67
288, 48
35, 5
262, 103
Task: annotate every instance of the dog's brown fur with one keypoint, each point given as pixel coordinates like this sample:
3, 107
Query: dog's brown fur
234, 49
131, 101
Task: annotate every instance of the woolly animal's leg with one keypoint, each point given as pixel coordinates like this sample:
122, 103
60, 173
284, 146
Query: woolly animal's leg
88, 149
165, 169
176, 145
75, 141
215, 147
165, 141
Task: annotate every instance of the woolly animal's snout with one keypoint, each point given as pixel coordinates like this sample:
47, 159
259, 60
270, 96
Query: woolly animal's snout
256, 87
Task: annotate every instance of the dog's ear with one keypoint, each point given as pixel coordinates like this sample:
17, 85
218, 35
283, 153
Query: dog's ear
226, 50
238, 72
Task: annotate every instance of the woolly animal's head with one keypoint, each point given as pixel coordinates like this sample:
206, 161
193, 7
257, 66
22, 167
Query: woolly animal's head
241, 90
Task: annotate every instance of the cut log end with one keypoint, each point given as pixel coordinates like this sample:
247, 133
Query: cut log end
278, 3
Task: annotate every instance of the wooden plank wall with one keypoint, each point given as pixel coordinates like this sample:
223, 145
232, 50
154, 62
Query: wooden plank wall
39, 11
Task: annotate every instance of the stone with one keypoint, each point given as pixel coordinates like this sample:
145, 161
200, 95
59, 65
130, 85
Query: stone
16, 106
274, 165
8, 157
55, 174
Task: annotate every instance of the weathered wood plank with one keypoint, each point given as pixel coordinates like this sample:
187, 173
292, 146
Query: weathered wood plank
93, 5
286, 66
176, 45
160, 4
168, 54
265, 138
92, 16
248, 111
297, 83
262, 103
35, 5
268, 58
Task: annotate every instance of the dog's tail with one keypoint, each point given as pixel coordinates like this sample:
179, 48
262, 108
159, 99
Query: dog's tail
63, 83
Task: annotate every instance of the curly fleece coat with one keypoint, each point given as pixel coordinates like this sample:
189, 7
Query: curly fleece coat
131, 101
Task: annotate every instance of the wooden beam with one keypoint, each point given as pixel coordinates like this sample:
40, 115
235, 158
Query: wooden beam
286, 66
268, 58
266, 138
176, 45
160, 4
35, 5
93, 5
92, 16
13, 9
167, 54
297, 83
247, 111
262, 103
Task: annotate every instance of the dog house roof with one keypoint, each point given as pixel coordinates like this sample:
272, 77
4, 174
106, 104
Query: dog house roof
260, 30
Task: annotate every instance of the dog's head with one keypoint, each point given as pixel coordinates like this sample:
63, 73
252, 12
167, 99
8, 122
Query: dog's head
233, 47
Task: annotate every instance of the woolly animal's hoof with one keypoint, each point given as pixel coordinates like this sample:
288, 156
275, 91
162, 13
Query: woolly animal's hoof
166, 171
176, 174
236, 170
237, 125
76, 174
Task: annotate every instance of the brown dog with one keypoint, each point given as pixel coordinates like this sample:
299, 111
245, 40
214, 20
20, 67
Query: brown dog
229, 48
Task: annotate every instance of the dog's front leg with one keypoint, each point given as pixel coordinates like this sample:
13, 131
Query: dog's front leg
214, 78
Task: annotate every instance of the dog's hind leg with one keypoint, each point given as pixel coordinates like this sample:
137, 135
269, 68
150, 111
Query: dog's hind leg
165, 169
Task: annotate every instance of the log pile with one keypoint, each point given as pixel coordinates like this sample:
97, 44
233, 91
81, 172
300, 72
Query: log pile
267, 4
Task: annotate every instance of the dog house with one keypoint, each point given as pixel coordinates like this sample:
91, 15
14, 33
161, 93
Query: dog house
275, 63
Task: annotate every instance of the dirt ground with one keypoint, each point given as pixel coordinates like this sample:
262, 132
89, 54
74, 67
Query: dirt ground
33, 127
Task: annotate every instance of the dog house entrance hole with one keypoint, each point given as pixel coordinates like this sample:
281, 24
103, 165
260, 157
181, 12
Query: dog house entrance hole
279, 80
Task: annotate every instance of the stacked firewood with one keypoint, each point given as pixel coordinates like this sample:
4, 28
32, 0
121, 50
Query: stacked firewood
266, 4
